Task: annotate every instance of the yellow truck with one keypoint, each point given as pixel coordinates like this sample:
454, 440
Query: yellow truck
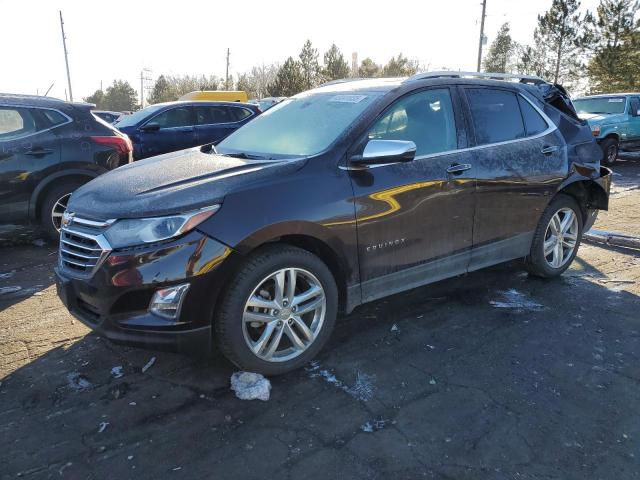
216, 96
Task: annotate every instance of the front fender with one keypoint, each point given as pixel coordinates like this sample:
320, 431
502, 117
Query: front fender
68, 172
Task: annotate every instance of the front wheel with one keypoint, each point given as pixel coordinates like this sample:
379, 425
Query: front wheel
53, 207
556, 239
610, 148
278, 311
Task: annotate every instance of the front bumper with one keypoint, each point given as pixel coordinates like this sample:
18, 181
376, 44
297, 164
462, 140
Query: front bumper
114, 301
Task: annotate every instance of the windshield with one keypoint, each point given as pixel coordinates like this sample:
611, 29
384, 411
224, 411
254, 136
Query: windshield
304, 125
136, 117
602, 105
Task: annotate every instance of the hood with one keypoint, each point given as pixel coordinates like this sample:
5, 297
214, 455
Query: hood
171, 183
595, 118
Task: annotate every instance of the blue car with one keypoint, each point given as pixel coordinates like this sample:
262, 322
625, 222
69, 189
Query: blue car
168, 127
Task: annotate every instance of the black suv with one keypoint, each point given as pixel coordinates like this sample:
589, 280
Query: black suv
48, 148
338, 196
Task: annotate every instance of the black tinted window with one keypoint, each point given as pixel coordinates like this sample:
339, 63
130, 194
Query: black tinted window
533, 121
53, 117
239, 114
208, 115
496, 115
15, 123
425, 118
176, 117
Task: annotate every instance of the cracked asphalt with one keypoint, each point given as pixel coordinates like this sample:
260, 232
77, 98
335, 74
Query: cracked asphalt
491, 375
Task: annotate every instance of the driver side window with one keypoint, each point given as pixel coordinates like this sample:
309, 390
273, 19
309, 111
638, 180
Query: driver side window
426, 118
176, 117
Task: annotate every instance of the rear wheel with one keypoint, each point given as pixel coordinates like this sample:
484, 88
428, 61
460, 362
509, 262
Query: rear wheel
54, 205
556, 239
610, 148
278, 311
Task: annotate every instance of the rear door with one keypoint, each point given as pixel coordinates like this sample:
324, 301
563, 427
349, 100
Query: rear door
29, 151
176, 131
415, 219
520, 159
634, 120
216, 122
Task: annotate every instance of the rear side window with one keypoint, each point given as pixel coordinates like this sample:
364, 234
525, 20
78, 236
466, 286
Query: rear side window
176, 117
496, 115
425, 118
533, 121
54, 117
239, 114
634, 106
16, 123
207, 115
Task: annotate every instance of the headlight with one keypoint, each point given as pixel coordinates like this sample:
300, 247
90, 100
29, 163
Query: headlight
595, 129
137, 231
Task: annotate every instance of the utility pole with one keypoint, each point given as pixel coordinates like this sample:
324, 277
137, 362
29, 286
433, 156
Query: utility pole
484, 10
143, 79
226, 81
66, 59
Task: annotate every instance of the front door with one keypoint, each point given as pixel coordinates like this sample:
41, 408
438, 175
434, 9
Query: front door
415, 219
29, 150
176, 132
519, 160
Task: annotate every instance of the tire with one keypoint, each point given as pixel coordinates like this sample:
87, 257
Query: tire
238, 336
537, 262
610, 148
59, 193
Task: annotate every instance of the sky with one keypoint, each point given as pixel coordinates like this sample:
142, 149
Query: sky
116, 39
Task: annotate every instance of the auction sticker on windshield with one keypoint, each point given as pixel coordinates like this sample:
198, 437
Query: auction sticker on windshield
348, 98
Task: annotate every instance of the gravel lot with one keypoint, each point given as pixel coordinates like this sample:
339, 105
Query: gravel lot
492, 375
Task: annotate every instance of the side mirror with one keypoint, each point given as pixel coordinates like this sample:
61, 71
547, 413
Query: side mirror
378, 152
151, 127
208, 148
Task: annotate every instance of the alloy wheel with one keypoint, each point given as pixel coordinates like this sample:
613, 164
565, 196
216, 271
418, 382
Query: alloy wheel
58, 210
612, 153
284, 315
561, 237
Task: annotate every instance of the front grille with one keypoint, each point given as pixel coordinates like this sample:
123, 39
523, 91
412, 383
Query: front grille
82, 246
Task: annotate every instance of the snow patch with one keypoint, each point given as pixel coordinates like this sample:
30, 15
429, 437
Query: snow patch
513, 299
362, 389
13, 289
373, 426
250, 386
78, 382
149, 364
117, 372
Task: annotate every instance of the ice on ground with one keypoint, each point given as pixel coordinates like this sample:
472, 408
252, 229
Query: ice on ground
250, 386
117, 372
362, 389
515, 300
39, 242
78, 382
394, 328
103, 426
149, 364
370, 427
6, 275
12, 289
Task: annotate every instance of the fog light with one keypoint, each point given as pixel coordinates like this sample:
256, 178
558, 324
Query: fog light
166, 303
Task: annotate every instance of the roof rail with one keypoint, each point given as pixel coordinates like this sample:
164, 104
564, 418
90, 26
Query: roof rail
489, 76
340, 80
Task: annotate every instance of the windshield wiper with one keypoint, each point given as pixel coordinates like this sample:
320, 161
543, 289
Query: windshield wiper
245, 156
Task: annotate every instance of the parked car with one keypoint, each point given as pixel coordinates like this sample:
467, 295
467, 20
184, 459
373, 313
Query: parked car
338, 196
614, 120
107, 116
268, 102
172, 126
48, 148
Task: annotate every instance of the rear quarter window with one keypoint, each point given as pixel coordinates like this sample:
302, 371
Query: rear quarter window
496, 115
533, 121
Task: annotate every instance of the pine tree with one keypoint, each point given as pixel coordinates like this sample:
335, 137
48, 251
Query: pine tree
612, 38
121, 97
399, 66
289, 80
369, 69
97, 98
500, 56
560, 30
335, 66
309, 66
162, 91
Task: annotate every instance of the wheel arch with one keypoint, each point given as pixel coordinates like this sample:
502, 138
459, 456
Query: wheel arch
40, 192
589, 195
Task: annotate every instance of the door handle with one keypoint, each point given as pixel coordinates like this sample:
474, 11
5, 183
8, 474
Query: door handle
548, 150
458, 168
38, 151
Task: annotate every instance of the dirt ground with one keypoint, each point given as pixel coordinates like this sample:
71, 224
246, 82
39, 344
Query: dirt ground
491, 375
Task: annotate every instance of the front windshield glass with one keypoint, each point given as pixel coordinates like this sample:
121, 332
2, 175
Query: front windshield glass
136, 117
602, 105
304, 125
